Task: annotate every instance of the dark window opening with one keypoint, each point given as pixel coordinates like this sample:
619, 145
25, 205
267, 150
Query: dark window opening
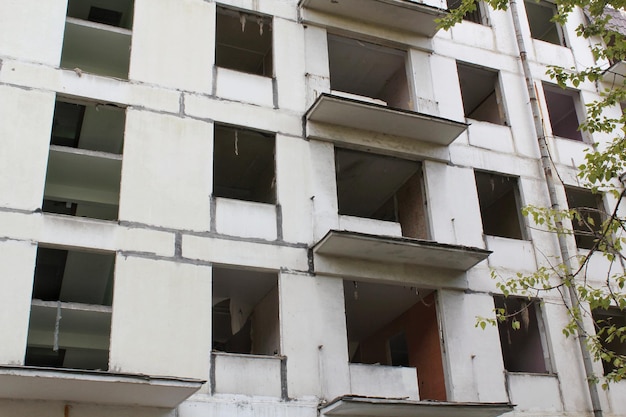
84, 164
109, 12
368, 72
541, 26
476, 16
562, 112
590, 208
243, 165
481, 95
245, 312
102, 48
244, 42
523, 348
396, 325
382, 188
605, 319
498, 196
70, 318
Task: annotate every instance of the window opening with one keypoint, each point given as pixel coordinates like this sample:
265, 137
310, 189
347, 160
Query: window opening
523, 349
541, 26
382, 188
98, 36
244, 42
368, 72
396, 325
477, 16
499, 200
562, 112
245, 311
605, 319
590, 208
84, 163
70, 318
481, 95
243, 164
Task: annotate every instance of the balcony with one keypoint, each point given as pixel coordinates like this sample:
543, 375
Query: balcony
332, 109
415, 17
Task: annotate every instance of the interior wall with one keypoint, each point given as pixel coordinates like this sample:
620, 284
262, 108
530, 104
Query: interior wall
265, 325
412, 208
396, 91
420, 325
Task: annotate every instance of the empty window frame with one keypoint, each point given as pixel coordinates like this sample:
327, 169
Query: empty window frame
396, 325
563, 111
499, 200
541, 26
482, 97
382, 188
477, 16
70, 318
98, 36
368, 72
606, 319
591, 211
243, 164
523, 349
85, 161
243, 42
245, 311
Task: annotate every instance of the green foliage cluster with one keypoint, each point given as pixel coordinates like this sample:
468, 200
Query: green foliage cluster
601, 171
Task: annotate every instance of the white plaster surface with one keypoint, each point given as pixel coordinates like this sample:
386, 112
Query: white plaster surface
153, 303
243, 87
245, 218
512, 254
372, 226
535, 393
384, 381
247, 375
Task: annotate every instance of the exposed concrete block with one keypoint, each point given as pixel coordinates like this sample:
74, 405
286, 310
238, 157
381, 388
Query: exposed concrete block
153, 303
324, 189
535, 393
371, 226
181, 57
245, 218
17, 266
20, 226
243, 87
289, 64
384, 381
25, 123
79, 232
515, 255
490, 136
32, 30
293, 187
242, 253
161, 153
146, 240
248, 375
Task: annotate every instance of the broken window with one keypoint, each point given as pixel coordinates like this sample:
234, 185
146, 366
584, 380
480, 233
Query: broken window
615, 319
245, 311
243, 164
243, 42
98, 36
477, 16
382, 188
480, 90
499, 200
563, 112
70, 317
540, 14
396, 325
591, 211
368, 72
85, 161
524, 348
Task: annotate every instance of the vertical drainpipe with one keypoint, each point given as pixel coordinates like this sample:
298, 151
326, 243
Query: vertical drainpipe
546, 164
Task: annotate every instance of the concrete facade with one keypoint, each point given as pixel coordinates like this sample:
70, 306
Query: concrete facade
293, 213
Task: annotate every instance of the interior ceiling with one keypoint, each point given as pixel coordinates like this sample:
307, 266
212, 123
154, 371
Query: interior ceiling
476, 85
366, 181
80, 9
361, 67
247, 286
376, 305
492, 187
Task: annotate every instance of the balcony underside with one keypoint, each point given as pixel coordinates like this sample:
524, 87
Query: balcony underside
414, 17
345, 112
374, 407
34, 383
399, 250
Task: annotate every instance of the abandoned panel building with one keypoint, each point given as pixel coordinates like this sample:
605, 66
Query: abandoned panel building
285, 208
